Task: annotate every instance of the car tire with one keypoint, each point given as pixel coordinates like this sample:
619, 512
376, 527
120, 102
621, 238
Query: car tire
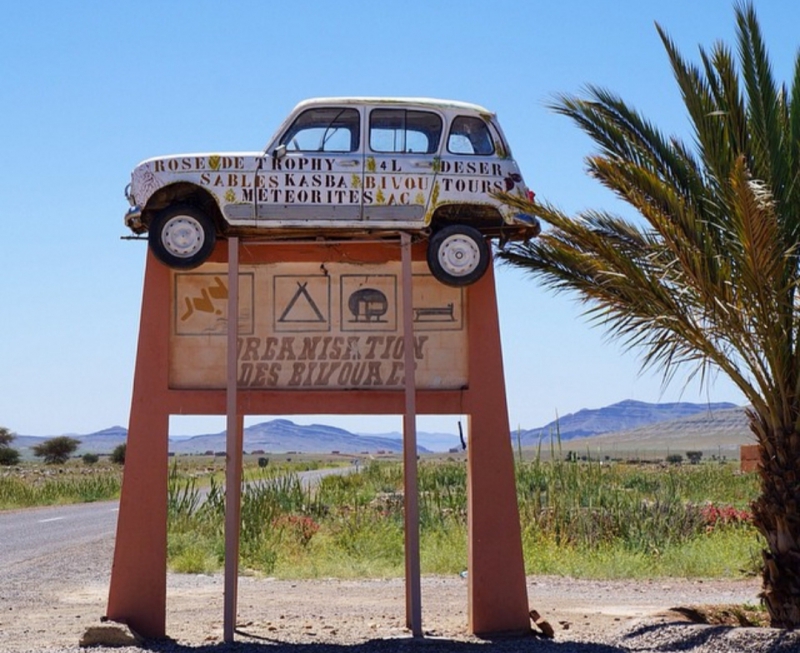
182, 237
458, 255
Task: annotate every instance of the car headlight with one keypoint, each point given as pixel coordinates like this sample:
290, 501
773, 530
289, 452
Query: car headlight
129, 195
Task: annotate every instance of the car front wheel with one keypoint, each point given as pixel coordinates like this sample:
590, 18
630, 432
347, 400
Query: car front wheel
458, 255
182, 237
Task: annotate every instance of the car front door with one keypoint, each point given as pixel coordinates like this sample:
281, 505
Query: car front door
314, 175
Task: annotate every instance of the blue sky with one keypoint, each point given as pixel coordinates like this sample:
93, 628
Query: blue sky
90, 88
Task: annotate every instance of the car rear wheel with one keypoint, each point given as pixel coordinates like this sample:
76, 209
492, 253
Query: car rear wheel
182, 237
458, 255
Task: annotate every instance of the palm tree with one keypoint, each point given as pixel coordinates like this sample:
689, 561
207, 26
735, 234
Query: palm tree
709, 277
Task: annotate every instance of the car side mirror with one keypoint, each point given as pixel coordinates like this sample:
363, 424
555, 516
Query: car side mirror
279, 152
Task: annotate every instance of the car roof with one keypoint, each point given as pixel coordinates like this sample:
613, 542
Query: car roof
396, 101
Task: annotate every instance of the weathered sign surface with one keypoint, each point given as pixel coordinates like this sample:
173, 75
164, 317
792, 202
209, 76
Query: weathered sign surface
302, 325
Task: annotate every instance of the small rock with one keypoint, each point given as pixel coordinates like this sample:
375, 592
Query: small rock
110, 635
542, 624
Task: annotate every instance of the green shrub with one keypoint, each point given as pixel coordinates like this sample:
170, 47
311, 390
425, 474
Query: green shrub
90, 458
8, 456
118, 454
694, 457
56, 451
6, 436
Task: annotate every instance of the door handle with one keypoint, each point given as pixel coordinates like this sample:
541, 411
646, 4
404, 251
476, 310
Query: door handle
349, 163
422, 164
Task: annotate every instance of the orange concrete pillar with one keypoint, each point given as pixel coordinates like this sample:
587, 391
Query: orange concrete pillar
137, 594
749, 457
498, 600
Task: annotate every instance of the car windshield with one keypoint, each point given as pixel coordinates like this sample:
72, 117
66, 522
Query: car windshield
324, 130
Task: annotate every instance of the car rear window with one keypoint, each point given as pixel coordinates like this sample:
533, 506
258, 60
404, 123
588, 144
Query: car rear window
469, 135
404, 131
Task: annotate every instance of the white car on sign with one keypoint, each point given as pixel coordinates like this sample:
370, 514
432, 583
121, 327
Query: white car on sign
343, 168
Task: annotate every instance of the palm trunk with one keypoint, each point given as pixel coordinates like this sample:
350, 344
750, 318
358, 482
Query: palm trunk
777, 516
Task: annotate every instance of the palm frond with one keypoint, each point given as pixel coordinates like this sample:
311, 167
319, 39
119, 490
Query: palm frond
762, 93
710, 277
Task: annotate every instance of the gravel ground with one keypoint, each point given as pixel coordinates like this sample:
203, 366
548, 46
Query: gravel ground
47, 605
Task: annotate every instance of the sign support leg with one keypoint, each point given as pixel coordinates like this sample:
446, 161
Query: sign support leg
233, 460
410, 495
138, 590
498, 600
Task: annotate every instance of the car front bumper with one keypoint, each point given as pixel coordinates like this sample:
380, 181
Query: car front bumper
528, 224
133, 220
133, 216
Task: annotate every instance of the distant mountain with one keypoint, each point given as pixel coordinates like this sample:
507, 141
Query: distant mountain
100, 442
622, 416
282, 435
275, 436
104, 441
431, 441
714, 431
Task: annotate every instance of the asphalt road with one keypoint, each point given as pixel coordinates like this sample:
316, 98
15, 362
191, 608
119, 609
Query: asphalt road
27, 535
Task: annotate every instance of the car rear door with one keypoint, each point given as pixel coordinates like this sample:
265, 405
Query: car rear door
401, 164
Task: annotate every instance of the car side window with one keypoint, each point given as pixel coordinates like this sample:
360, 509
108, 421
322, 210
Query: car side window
404, 131
470, 135
324, 130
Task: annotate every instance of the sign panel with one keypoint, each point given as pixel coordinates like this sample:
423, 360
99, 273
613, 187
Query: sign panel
302, 325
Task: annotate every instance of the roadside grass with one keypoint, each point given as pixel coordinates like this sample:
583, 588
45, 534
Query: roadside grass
730, 553
594, 520
32, 484
204, 467
584, 519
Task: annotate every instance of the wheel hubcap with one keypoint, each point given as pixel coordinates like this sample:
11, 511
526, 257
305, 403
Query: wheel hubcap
459, 255
182, 236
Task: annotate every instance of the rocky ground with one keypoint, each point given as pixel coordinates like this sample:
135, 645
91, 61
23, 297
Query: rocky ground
49, 604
